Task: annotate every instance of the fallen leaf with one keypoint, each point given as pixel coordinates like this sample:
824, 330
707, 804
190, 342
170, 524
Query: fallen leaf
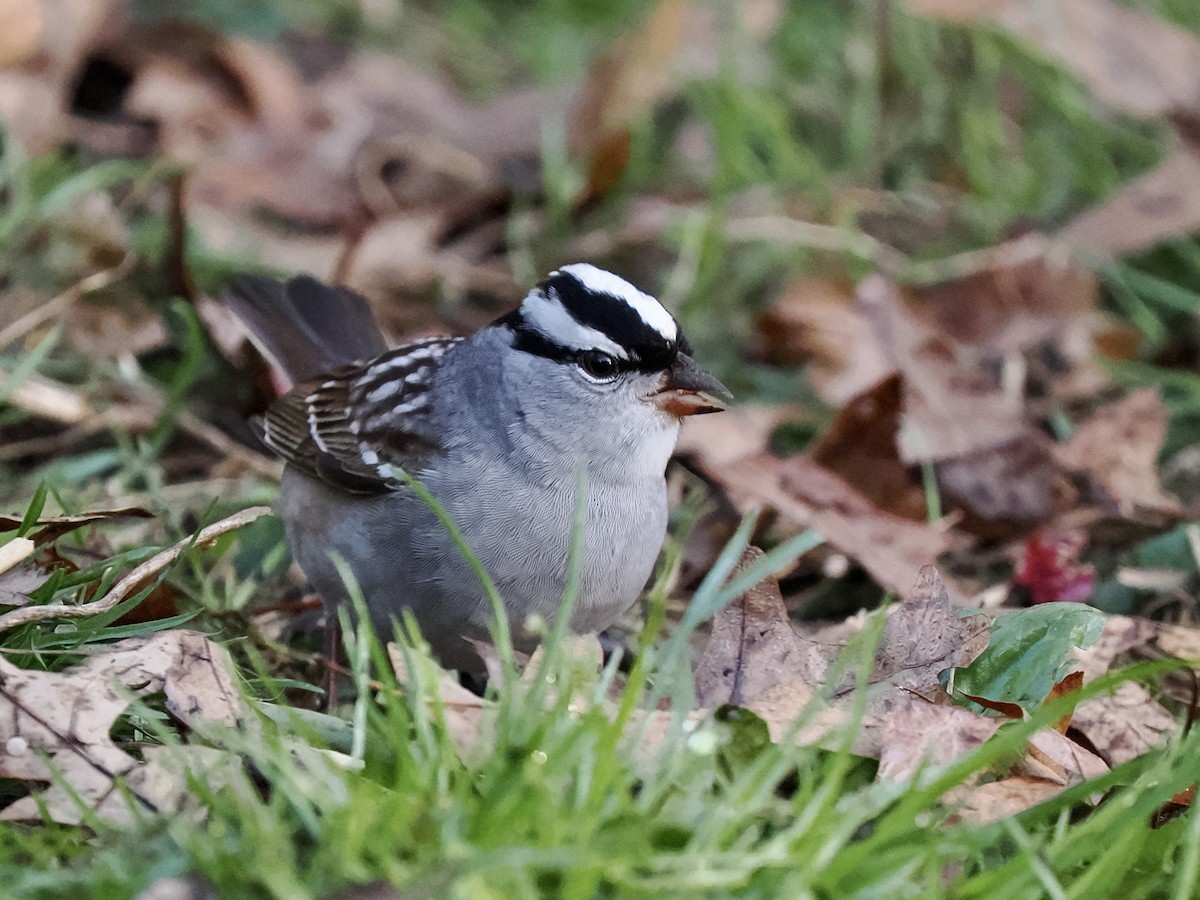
1068, 685
860, 446
753, 647
55, 726
1129, 59
951, 407
18, 582
918, 733
1125, 724
983, 803
1053, 756
890, 548
816, 324
1017, 482
1145, 212
1121, 635
923, 637
1117, 450
53, 527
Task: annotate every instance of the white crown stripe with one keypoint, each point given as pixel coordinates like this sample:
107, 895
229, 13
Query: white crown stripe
650, 310
549, 317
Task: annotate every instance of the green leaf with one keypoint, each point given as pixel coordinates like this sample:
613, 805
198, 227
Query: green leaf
1029, 652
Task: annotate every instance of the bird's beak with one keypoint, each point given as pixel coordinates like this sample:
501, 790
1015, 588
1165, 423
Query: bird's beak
688, 390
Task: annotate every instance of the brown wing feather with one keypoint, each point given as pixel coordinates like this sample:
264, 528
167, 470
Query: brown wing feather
351, 426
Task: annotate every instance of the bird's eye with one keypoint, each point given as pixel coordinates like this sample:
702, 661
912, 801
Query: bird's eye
598, 364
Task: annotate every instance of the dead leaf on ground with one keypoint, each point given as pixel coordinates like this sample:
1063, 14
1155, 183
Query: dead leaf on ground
951, 406
1145, 212
860, 446
55, 725
1117, 449
53, 527
977, 352
919, 733
980, 804
1125, 724
923, 637
816, 324
1016, 482
19, 578
1053, 757
739, 432
890, 548
1131, 60
753, 647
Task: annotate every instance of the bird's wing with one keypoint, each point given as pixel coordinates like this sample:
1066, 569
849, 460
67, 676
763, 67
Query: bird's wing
360, 426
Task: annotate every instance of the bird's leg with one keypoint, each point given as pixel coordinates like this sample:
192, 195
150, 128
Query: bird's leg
333, 640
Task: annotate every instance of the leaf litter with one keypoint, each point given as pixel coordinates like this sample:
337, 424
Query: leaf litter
954, 376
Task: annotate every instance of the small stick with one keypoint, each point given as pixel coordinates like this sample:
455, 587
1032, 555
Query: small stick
134, 579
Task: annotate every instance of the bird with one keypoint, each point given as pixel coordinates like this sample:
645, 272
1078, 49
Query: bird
575, 395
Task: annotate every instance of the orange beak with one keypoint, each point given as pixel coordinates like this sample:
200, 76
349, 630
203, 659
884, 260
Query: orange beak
688, 390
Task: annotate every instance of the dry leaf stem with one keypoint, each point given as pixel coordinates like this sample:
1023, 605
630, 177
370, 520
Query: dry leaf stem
134, 579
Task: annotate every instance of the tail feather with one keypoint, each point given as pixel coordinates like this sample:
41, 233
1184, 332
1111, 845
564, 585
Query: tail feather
304, 326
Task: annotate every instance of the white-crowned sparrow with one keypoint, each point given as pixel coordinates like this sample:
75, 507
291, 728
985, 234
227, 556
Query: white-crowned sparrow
588, 375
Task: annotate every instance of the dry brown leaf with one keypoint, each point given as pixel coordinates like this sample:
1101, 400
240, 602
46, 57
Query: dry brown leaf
753, 647
17, 583
919, 733
739, 432
983, 803
890, 548
860, 446
1004, 324
1145, 212
1125, 724
816, 324
951, 407
1013, 298
1068, 685
1130, 60
1121, 635
923, 637
54, 527
1014, 482
56, 724
1117, 449
1052, 756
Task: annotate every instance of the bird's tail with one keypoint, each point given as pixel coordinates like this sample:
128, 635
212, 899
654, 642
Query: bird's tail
303, 326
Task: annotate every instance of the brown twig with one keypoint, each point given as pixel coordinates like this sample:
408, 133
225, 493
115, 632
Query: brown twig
60, 304
134, 579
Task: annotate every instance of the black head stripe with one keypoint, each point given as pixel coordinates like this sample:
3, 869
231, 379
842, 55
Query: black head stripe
648, 350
